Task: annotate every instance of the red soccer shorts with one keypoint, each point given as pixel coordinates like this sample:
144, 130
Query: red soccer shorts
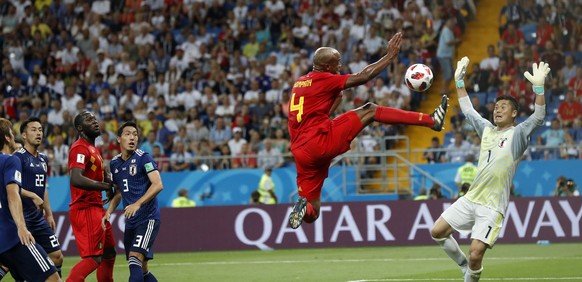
90, 237
313, 158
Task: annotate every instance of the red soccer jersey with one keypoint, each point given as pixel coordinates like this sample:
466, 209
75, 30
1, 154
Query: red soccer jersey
569, 111
312, 97
85, 156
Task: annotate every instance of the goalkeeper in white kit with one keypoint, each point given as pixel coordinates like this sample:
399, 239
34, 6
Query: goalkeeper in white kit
482, 209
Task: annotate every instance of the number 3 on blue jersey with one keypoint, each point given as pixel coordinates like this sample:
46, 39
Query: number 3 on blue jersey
125, 186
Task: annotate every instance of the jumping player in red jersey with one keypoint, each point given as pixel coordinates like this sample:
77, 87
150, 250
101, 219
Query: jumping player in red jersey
316, 140
96, 245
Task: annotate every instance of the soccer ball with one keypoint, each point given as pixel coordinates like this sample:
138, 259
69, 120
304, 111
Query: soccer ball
418, 77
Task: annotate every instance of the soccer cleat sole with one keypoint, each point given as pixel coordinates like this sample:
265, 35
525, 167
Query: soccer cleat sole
296, 216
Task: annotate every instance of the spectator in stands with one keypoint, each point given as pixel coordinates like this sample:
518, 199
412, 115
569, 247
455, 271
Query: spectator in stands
402, 90
219, 134
197, 131
569, 110
566, 188
161, 159
568, 71
491, 63
545, 32
511, 37
235, 144
481, 109
569, 150
61, 156
479, 80
457, 150
435, 153
180, 160
183, 201
269, 156
445, 52
246, 157
457, 119
553, 56
552, 137
576, 131
575, 84
150, 143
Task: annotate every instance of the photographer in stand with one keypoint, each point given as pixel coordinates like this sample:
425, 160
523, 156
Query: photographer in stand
566, 188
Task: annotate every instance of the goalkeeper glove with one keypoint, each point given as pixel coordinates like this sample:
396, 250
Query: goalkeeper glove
460, 72
539, 77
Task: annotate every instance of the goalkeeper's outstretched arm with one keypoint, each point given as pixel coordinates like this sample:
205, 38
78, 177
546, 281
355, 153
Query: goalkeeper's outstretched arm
538, 79
465, 104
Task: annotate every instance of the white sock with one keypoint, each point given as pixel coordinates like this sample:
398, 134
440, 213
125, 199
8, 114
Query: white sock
473, 275
452, 248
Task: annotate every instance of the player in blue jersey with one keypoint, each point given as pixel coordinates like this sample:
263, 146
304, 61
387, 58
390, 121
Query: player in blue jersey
136, 176
34, 176
18, 250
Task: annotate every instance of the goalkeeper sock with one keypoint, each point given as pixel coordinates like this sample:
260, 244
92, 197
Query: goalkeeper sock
452, 248
149, 277
105, 270
388, 115
82, 269
310, 214
473, 275
135, 270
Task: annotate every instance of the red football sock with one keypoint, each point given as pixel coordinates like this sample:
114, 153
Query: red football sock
391, 116
82, 269
105, 270
310, 214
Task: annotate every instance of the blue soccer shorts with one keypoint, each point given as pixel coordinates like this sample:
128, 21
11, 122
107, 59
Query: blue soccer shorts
141, 238
28, 262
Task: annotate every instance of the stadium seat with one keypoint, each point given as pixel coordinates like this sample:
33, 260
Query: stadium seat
491, 96
482, 97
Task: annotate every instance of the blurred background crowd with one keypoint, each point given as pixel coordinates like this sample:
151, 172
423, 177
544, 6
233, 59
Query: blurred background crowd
211, 78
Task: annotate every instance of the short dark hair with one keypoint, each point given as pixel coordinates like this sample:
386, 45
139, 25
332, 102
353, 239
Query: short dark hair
511, 100
5, 126
79, 118
26, 122
124, 125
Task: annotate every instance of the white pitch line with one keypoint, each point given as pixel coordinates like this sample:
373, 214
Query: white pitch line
482, 279
343, 260
258, 262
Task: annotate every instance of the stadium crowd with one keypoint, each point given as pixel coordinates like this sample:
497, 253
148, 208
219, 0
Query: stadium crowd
530, 31
203, 79
206, 79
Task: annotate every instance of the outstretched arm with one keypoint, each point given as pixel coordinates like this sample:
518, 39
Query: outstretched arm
474, 118
374, 69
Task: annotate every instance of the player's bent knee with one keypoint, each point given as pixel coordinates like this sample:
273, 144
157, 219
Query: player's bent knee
57, 257
138, 255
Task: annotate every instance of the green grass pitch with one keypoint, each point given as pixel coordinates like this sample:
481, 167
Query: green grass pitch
506, 262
